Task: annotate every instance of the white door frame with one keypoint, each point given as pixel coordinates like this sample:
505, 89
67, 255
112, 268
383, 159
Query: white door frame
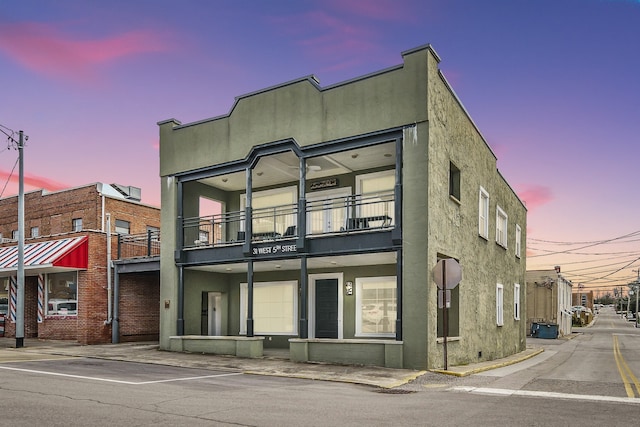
312, 302
214, 313
329, 194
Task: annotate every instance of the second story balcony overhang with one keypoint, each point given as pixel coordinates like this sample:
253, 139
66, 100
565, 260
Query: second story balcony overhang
346, 192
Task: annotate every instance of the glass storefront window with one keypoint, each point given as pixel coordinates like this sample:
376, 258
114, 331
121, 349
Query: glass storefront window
4, 295
376, 306
62, 293
275, 308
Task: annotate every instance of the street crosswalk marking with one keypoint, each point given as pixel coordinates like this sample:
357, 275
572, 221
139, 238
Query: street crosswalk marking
546, 394
110, 380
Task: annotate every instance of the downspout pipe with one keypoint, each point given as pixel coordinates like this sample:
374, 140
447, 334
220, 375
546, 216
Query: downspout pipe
109, 290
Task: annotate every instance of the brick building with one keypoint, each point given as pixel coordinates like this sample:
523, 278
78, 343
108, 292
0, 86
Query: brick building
71, 238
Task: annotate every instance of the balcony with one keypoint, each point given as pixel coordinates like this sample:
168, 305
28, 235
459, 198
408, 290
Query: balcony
359, 213
139, 245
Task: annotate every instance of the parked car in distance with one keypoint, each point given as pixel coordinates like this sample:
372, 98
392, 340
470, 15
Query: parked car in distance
374, 313
63, 307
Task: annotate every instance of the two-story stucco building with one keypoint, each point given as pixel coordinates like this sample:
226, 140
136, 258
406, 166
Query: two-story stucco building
311, 218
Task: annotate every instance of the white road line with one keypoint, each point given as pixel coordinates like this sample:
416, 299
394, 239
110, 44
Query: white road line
549, 394
108, 380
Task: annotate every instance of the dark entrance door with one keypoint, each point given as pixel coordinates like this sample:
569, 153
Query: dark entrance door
326, 308
204, 312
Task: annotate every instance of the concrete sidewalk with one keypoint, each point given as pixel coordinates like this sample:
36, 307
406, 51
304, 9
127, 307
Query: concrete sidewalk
275, 362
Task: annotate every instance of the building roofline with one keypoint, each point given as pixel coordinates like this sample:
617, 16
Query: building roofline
98, 186
311, 78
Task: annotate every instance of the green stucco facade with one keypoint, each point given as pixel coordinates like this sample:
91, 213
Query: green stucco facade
415, 99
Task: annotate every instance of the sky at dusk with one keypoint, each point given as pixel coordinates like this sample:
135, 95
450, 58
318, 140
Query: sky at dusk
553, 85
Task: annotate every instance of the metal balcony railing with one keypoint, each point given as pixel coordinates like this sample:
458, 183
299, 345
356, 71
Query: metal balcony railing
139, 245
354, 213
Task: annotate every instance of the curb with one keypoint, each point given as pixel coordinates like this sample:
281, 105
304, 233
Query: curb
490, 367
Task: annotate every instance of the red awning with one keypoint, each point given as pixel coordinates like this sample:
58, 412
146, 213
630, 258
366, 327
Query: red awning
52, 255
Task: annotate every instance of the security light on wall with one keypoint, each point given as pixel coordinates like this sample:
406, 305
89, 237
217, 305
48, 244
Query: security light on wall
348, 287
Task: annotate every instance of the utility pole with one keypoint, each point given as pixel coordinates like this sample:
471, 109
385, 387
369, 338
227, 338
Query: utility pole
20, 273
20, 278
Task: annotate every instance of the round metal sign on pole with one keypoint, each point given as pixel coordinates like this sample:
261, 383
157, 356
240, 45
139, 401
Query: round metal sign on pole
447, 273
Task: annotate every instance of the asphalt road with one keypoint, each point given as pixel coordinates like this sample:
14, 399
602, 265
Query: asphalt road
575, 381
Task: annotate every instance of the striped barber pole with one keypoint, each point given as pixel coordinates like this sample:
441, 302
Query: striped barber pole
13, 295
40, 298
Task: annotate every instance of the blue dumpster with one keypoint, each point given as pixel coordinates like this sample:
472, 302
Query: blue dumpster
544, 330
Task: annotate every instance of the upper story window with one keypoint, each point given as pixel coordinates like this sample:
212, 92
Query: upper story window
483, 215
499, 305
375, 195
123, 227
15, 234
454, 181
273, 210
516, 301
518, 241
35, 231
501, 227
76, 224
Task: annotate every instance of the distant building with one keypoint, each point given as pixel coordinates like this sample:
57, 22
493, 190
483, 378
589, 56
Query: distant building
71, 237
332, 207
549, 299
583, 298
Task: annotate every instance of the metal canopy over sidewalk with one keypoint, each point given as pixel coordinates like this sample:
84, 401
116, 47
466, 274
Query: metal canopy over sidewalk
52, 255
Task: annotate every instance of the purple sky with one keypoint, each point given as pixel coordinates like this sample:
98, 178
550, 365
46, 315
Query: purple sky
552, 84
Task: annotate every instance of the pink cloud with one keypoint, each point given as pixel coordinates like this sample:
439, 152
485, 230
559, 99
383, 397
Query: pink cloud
535, 195
44, 49
32, 181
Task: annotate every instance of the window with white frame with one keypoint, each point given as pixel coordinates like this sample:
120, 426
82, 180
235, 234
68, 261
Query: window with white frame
76, 224
501, 227
376, 306
275, 308
518, 241
122, 226
375, 195
15, 234
62, 293
454, 181
35, 231
516, 301
499, 305
273, 210
483, 216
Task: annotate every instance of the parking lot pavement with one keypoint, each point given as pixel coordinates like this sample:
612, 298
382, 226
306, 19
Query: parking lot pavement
273, 363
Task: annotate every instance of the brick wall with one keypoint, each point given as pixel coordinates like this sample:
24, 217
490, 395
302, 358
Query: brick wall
139, 216
139, 307
53, 214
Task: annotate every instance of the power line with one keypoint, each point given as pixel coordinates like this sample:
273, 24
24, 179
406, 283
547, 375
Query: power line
584, 243
9, 177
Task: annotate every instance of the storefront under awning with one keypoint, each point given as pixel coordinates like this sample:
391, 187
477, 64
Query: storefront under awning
48, 256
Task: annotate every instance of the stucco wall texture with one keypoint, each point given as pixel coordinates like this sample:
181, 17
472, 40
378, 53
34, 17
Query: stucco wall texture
437, 130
